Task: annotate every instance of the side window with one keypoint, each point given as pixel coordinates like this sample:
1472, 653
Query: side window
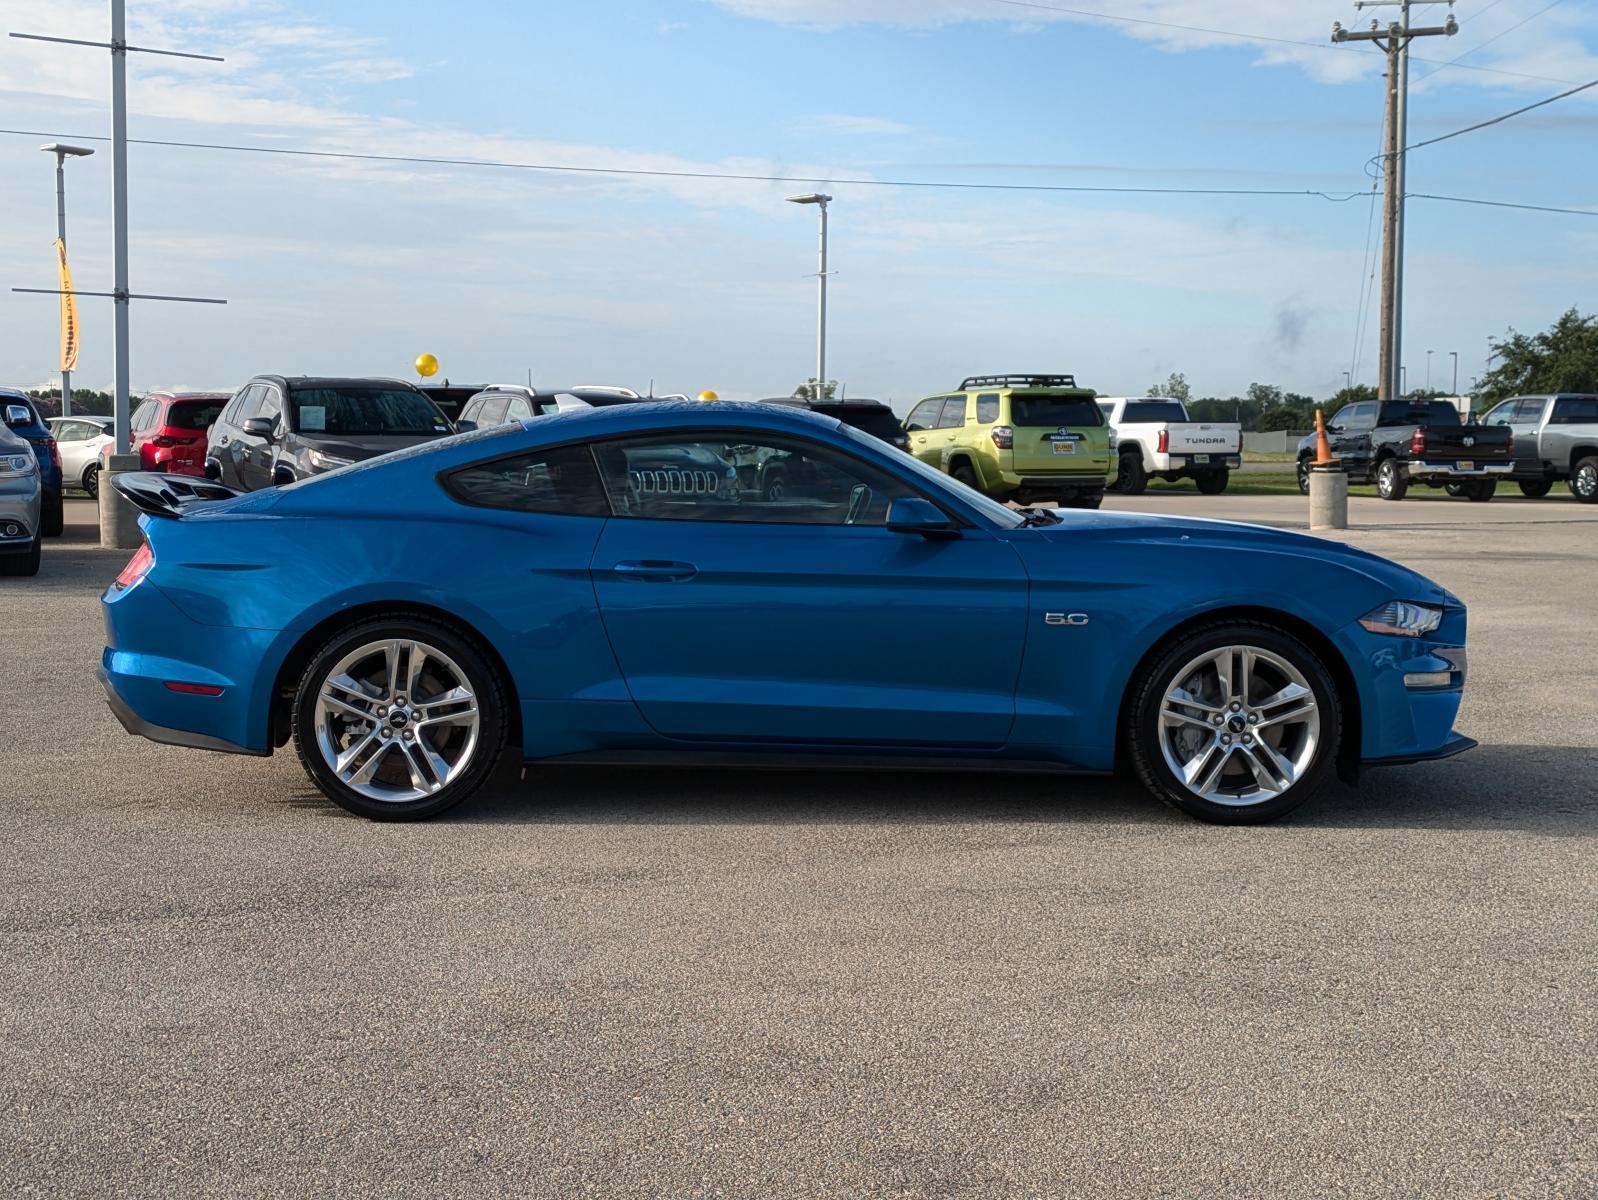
1530, 412
74, 431
469, 413
493, 411
953, 413
924, 415
1580, 410
987, 408
1501, 414
562, 481
271, 403
250, 403
519, 409
143, 417
1358, 416
775, 481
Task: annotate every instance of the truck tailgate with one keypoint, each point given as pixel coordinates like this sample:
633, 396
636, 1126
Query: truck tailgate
1203, 438
1474, 443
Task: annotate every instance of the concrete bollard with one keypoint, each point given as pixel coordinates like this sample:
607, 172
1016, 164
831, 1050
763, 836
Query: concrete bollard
1328, 497
119, 520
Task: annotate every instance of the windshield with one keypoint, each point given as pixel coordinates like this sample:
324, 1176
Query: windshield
195, 414
1139, 411
345, 411
879, 422
940, 485
1425, 412
1053, 411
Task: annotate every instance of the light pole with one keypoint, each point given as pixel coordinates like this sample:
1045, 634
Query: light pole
1348, 380
1454, 354
62, 152
821, 202
1403, 382
1429, 354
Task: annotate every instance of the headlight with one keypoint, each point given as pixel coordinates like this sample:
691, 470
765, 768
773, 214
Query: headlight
17, 464
327, 462
1403, 619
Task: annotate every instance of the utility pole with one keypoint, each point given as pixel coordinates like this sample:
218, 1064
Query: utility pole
1394, 42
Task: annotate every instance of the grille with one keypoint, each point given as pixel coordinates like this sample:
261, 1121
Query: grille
674, 483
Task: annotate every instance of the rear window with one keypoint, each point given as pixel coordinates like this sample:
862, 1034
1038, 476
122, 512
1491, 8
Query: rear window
1582, 411
1152, 410
1431, 412
195, 414
1035, 410
878, 422
364, 412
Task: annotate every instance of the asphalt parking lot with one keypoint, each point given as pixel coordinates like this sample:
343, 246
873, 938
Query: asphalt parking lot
622, 983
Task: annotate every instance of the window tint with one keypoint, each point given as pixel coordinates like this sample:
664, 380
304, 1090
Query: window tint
777, 481
924, 415
493, 410
1042, 410
953, 415
251, 403
142, 416
1153, 410
194, 414
1357, 416
1418, 412
562, 481
987, 408
1531, 411
352, 410
75, 431
469, 413
1501, 414
271, 403
1581, 410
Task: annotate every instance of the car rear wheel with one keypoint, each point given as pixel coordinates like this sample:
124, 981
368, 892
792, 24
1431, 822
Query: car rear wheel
963, 472
1212, 483
1584, 481
1480, 490
1236, 723
26, 563
1303, 474
52, 515
1391, 483
399, 718
91, 480
1535, 489
1130, 477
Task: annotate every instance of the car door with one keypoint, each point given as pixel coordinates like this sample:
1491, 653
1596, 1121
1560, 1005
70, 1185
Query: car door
79, 443
257, 453
1351, 443
226, 443
139, 428
804, 619
918, 427
1525, 426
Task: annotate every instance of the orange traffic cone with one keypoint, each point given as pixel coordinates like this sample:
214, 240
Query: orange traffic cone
1323, 449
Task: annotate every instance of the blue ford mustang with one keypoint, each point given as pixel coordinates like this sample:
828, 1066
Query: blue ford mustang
622, 585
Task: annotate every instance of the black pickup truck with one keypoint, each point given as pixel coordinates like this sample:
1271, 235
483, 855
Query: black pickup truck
1395, 443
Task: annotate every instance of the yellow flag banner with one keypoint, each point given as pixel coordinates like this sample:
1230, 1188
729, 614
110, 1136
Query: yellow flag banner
69, 311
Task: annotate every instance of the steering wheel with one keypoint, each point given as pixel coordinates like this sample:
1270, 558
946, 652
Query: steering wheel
859, 500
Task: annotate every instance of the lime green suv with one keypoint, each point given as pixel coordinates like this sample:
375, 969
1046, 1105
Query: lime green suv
1017, 437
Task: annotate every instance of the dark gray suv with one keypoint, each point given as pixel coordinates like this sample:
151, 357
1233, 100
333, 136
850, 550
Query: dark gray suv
278, 429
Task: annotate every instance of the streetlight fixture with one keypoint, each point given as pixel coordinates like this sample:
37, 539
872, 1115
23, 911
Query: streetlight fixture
62, 152
820, 201
1429, 354
1454, 354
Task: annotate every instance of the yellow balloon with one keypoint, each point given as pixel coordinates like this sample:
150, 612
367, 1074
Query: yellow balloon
708, 395
426, 365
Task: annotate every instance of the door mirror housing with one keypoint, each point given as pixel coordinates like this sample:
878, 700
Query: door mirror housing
260, 427
912, 514
17, 414
465, 426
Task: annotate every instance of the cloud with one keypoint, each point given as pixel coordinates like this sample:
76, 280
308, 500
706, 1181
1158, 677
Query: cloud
851, 126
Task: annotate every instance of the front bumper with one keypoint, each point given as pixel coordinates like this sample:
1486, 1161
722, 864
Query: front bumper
19, 518
1410, 691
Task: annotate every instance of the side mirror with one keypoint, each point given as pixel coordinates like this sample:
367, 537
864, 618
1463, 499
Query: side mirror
18, 414
912, 514
260, 427
915, 428
465, 426
1334, 429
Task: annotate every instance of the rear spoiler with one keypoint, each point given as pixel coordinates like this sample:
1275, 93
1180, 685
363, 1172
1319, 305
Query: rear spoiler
170, 495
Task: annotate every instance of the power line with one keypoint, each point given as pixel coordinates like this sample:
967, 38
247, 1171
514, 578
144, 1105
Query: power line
1575, 212
659, 173
1454, 62
1502, 119
1269, 40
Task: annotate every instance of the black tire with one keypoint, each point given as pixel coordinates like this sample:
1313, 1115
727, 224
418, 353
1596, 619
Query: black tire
1584, 480
91, 480
1391, 483
1480, 491
1130, 477
1303, 474
1455, 488
963, 472
52, 515
1143, 731
1082, 500
775, 486
1535, 489
23, 564
1212, 483
482, 678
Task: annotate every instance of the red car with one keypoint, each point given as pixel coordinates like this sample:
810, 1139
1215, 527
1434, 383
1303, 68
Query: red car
168, 430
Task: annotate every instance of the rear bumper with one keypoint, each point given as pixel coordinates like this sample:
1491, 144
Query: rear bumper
1448, 470
1213, 462
135, 724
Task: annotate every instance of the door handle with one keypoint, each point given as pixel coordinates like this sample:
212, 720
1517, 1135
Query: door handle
656, 570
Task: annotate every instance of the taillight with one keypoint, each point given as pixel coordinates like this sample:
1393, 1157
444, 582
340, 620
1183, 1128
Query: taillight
163, 441
1164, 446
1417, 442
1003, 437
138, 567
55, 453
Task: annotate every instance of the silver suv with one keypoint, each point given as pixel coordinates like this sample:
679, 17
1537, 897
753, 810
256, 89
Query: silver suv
20, 502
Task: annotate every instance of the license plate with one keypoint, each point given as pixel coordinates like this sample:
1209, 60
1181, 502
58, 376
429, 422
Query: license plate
1064, 447
1465, 464
1201, 458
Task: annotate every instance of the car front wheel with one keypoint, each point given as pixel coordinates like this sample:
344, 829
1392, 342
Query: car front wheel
1584, 481
91, 480
1236, 723
399, 718
1391, 483
1535, 489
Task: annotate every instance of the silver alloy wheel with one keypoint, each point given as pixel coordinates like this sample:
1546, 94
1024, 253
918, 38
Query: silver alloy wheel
1387, 477
1239, 725
1586, 480
396, 721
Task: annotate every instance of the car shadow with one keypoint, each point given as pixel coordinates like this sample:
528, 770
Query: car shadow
1545, 789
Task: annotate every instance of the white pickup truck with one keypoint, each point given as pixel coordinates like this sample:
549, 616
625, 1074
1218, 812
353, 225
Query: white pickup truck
1154, 437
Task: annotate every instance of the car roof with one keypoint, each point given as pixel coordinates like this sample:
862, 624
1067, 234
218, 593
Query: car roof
299, 381
645, 416
162, 393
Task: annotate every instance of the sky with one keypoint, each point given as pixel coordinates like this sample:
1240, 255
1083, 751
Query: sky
335, 266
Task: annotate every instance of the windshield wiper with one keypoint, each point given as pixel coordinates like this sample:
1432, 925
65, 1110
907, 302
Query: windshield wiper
1039, 516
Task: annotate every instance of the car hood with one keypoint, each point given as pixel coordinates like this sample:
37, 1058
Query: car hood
1154, 530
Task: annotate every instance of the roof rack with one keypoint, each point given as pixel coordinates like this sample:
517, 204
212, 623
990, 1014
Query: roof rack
1022, 381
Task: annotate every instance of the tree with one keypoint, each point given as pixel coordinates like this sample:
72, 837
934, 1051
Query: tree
1264, 395
1348, 395
1174, 388
1285, 417
1562, 359
807, 390
85, 401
